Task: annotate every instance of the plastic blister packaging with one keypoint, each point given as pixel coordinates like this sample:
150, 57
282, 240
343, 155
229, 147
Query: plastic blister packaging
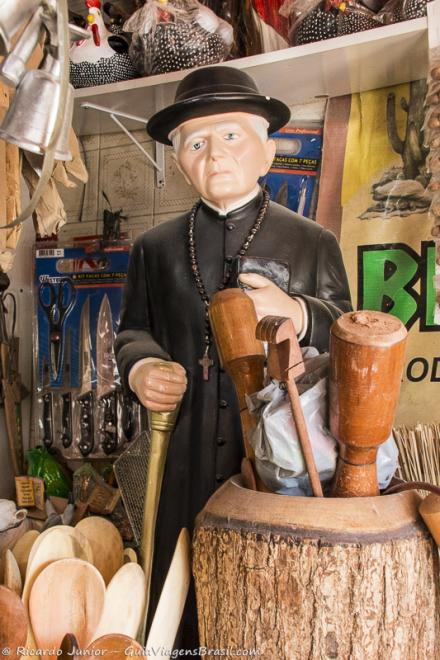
80, 408
176, 34
315, 20
278, 456
292, 178
395, 11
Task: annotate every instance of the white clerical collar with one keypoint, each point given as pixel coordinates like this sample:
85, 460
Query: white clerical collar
236, 205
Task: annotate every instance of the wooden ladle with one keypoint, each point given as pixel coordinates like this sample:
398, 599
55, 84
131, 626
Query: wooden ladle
115, 647
67, 596
106, 543
125, 593
13, 622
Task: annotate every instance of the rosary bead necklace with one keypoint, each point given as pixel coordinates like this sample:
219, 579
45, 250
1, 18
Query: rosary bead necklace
206, 362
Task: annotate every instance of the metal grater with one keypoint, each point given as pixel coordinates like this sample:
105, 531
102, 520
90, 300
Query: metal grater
131, 469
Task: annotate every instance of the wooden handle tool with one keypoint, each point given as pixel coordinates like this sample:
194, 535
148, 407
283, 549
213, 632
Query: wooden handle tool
367, 351
285, 363
233, 322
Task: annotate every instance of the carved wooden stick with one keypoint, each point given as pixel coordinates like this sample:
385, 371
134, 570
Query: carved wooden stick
233, 321
285, 363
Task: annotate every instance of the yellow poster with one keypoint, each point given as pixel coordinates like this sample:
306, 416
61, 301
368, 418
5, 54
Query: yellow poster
386, 237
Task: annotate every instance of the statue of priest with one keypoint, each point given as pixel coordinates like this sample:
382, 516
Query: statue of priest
218, 126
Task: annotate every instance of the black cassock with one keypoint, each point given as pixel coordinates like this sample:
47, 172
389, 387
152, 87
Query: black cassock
163, 316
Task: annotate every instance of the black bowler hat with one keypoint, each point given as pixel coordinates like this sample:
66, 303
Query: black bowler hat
214, 90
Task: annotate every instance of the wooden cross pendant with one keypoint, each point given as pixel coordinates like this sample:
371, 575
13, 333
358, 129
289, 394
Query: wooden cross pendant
206, 362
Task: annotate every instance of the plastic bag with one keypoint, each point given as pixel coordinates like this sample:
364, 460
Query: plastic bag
44, 465
175, 35
317, 20
395, 11
278, 456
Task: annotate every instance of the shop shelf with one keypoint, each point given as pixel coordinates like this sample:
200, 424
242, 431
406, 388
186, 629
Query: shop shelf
357, 62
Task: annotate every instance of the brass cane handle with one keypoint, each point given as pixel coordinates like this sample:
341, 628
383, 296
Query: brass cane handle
163, 421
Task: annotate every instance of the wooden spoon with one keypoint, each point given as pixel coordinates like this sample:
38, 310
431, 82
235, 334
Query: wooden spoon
11, 576
130, 555
68, 647
169, 610
106, 543
59, 542
13, 622
115, 647
125, 594
68, 595
22, 549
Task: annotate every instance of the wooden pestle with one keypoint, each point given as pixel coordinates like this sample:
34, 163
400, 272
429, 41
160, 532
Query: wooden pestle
367, 350
233, 322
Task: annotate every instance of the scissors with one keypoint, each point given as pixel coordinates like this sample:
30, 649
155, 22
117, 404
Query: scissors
56, 301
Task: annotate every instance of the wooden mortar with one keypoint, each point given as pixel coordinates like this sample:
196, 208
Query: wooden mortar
317, 578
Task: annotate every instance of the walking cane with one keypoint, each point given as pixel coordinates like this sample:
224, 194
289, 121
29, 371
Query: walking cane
161, 427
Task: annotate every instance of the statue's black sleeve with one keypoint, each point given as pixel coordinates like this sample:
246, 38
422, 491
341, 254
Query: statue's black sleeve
332, 293
134, 340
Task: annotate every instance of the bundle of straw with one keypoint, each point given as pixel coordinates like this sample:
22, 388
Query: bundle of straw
419, 453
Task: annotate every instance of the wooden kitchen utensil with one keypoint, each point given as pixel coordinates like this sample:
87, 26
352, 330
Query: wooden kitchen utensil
319, 557
367, 351
130, 555
67, 596
233, 322
22, 549
106, 543
430, 511
11, 575
125, 593
285, 363
115, 647
13, 622
59, 542
169, 610
68, 647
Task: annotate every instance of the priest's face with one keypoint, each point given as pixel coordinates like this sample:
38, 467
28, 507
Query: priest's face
223, 156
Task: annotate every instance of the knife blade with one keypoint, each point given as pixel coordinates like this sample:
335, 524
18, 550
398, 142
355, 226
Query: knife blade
85, 397
105, 358
105, 378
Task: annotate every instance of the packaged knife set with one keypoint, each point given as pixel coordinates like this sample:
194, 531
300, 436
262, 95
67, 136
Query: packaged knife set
292, 179
79, 407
